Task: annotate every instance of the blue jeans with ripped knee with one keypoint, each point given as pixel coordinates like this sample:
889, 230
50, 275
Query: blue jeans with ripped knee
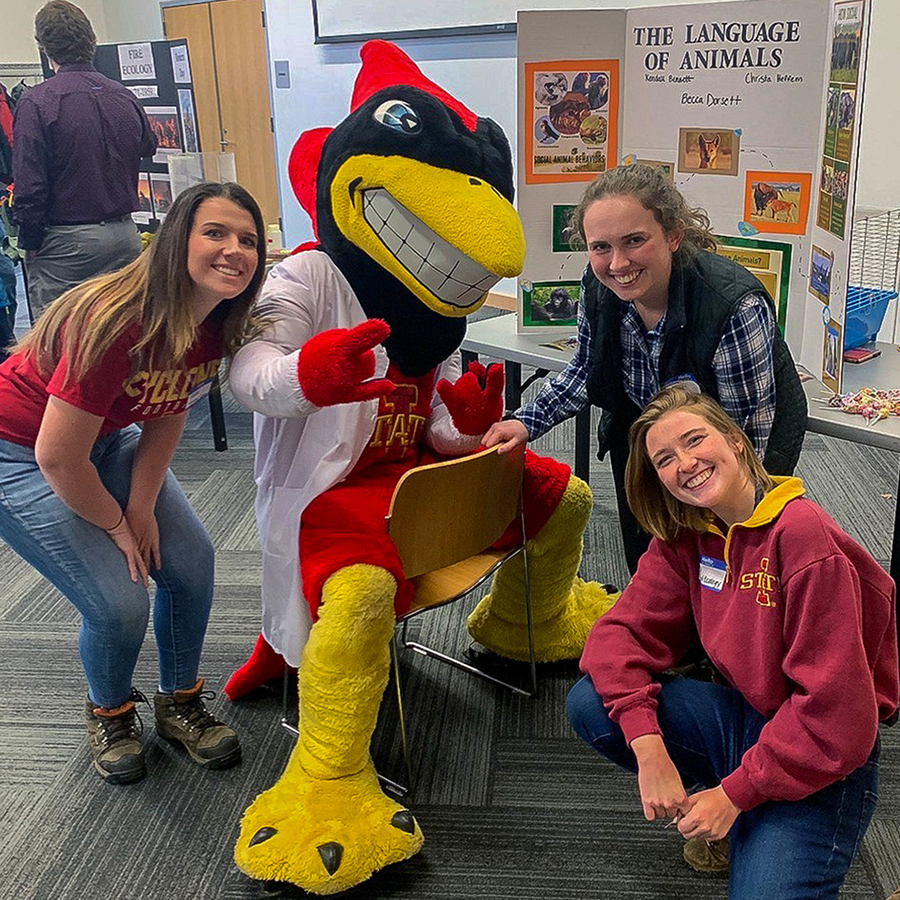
792, 850
90, 571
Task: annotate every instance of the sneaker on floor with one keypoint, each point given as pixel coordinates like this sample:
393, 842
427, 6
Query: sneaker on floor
706, 856
183, 717
114, 736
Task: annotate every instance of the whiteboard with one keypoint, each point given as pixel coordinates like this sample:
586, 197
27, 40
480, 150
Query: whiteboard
357, 20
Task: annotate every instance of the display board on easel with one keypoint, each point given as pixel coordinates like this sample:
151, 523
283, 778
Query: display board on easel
729, 99
158, 73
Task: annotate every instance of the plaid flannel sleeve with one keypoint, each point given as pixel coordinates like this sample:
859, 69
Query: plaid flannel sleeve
745, 375
564, 395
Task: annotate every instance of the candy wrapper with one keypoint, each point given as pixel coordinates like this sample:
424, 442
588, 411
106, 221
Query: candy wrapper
870, 403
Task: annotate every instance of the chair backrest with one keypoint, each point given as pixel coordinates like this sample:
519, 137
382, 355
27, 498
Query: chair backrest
446, 512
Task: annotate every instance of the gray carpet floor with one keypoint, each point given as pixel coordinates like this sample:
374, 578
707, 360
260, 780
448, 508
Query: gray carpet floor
512, 805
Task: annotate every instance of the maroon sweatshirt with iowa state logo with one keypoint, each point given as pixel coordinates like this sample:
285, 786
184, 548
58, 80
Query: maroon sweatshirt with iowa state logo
794, 614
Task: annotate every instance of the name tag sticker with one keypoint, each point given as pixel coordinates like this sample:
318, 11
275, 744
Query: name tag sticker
712, 573
198, 391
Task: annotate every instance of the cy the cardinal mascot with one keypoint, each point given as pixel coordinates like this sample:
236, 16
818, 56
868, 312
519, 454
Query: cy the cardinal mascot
356, 379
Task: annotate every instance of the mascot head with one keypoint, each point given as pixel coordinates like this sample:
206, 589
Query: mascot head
411, 196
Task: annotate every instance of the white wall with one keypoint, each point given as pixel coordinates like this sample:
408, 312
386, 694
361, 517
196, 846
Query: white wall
879, 175
480, 71
18, 27
132, 20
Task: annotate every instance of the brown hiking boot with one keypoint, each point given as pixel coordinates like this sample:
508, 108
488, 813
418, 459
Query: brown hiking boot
706, 856
183, 717
114, 736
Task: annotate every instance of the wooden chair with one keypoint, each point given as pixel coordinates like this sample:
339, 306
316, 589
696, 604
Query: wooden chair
443, 519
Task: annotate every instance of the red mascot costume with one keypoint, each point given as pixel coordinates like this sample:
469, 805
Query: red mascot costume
356, 379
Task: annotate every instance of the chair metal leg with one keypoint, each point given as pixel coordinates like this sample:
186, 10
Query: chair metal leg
284, 704
425, 650
532, 663
404, 746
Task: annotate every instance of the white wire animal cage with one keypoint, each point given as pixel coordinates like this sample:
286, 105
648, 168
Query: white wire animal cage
874, 261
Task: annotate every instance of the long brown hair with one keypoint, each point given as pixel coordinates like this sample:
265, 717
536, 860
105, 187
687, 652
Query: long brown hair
657, 511
155, 290
653, 190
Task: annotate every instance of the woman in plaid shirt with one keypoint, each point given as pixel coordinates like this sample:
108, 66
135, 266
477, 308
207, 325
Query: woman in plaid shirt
657, 306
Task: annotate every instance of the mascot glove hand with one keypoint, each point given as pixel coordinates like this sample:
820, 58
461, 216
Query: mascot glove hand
334, 366
475, 401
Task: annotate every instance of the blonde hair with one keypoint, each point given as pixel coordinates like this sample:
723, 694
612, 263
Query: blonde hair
655, 192
657, 511
154, 291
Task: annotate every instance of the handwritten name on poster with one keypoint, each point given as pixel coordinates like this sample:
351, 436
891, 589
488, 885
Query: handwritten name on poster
722, 70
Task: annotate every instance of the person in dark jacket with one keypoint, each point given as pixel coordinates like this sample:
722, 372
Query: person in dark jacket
78, 140
658, 306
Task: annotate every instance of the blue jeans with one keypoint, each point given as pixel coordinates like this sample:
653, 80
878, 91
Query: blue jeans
86, 566
792, 850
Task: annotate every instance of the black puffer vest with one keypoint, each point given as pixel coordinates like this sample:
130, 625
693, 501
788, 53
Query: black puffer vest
703, 297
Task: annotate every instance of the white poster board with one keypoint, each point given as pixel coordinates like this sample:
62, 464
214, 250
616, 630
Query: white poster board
562, 40
755, 77
732, 99
354, 20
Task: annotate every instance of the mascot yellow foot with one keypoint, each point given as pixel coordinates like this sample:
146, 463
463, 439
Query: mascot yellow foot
326, 826
324, 835
564, 607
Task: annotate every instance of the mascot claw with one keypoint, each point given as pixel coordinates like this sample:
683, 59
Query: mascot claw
325, 835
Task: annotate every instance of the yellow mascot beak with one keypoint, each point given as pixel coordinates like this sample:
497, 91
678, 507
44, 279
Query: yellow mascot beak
447, 236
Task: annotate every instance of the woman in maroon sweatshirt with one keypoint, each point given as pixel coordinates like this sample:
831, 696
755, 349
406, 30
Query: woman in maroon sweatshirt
780, 752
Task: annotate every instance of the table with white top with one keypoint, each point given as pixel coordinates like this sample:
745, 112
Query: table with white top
882, 372
497, 338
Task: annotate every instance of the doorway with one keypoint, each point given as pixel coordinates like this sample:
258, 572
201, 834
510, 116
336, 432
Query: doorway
227, 49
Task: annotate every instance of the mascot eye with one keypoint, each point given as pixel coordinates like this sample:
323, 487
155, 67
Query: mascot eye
398, 115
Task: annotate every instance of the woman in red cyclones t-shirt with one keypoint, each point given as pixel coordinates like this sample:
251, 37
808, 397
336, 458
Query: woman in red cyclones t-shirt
86, 496
780, 751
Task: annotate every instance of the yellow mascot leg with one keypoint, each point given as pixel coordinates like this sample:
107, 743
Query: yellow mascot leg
564, 606
326, 825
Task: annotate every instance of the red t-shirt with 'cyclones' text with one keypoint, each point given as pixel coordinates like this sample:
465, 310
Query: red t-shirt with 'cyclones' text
110, 390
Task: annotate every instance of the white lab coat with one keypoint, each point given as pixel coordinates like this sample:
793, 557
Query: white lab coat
301, 449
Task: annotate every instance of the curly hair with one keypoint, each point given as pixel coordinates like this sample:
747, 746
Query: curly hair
64, 32
654, 191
